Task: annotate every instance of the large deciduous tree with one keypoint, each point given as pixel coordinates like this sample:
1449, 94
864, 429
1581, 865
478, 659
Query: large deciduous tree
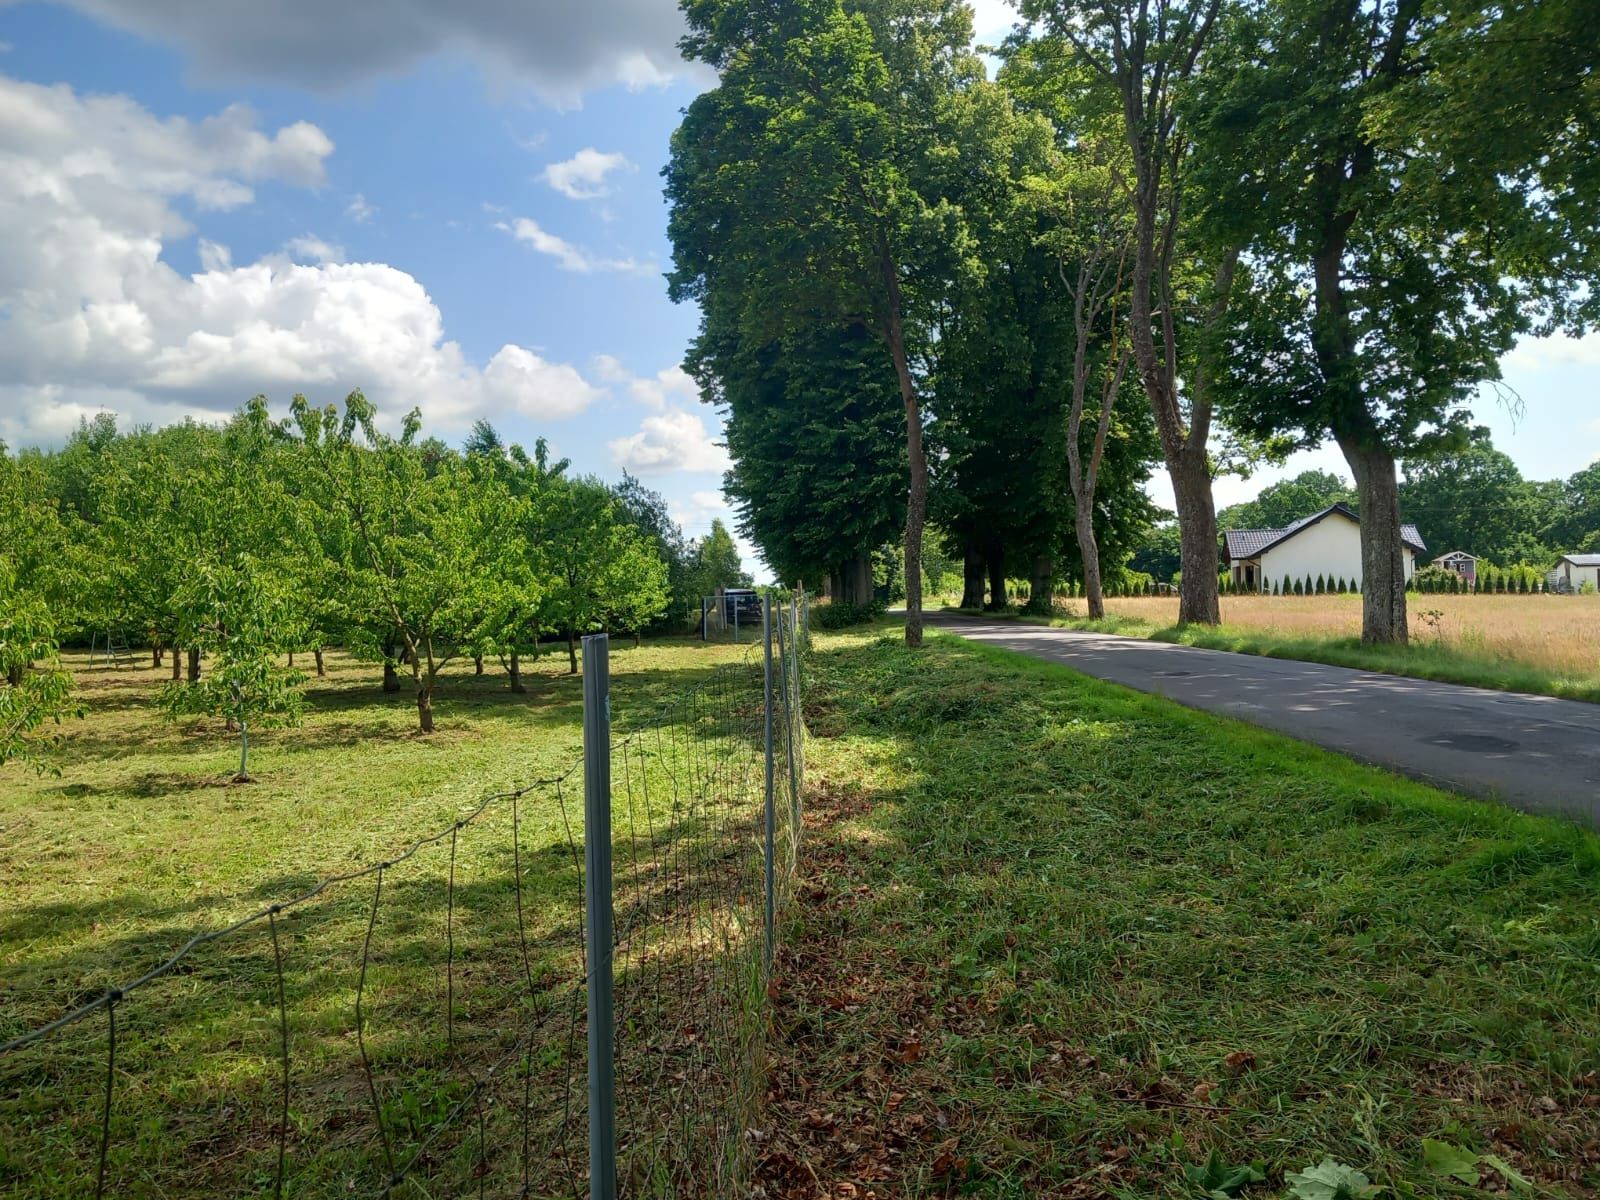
1085, 207
816, 433
1279, 504
1146, 52
807, 184
1391, 259
1477, 500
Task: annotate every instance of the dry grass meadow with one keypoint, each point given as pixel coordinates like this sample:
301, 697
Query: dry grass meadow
1560, 634
1542, 644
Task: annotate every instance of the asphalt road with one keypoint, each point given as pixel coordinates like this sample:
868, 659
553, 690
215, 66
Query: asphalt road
1532, 752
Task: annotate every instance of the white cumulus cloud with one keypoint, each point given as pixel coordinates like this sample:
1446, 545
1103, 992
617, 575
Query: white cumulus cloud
1558, 350
671, 441
91, 189
583, 176
992, 20
309, 246
568, 256
652, 391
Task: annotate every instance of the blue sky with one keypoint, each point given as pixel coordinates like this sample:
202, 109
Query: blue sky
452, 206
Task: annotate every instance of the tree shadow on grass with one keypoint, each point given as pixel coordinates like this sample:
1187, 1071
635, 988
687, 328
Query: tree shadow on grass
194, 1108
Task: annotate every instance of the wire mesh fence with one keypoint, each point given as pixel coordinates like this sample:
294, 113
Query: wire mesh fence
562, 988
732, 615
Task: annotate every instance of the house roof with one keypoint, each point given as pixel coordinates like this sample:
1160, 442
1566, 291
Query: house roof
1248, 543
1581, 560
1456, 554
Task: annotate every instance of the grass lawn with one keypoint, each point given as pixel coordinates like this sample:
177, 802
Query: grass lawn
1050, 938
1546, 645
1055, 938
108, 867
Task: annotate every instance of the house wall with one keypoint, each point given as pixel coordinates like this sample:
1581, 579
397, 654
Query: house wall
1579, 575
1331, 548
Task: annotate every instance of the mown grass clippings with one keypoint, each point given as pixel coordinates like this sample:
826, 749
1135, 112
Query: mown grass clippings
1078, 946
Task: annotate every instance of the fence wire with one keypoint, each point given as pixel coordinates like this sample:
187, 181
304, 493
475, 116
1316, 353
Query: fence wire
417, 1027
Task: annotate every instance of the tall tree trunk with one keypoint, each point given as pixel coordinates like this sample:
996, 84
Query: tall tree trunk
916, 459
1183, 442
1383, 564
1040, 599
515, 671
1089, 552
391, 677
477, 664
996, 559
15, 673
1383, 576
971, 574
291, 660
177, 665
1198, 599
194, 665
155, 657
572, 652
321, 667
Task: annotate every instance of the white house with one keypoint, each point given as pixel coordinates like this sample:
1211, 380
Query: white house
1575, 570
1326, 544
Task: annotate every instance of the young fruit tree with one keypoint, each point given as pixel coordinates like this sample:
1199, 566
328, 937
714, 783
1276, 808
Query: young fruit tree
425, 538
243, 618
595, 566
35, 693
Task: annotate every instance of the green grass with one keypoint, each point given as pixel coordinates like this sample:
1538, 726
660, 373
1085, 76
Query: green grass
1421, 659
1056, 938
108, 867
1036, 916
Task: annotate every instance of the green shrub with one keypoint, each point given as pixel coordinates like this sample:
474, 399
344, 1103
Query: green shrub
1432, 579
838, 615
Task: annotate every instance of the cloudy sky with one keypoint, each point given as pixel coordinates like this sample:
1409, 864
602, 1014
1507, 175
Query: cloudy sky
453, 206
